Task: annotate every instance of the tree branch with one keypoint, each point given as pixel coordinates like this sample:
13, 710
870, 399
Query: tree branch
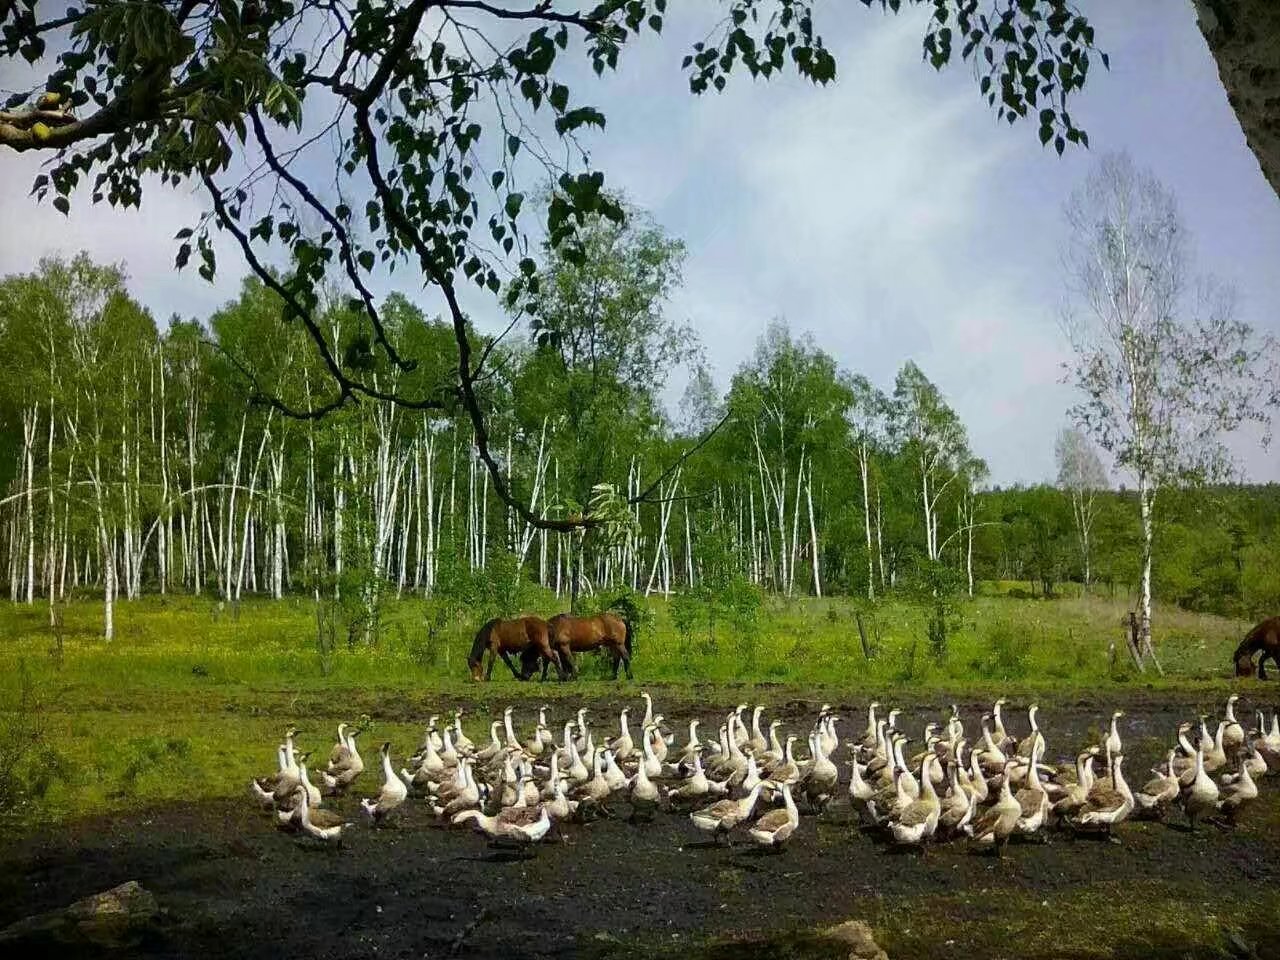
643, 496
347, 386
344, 241
542, 11
466, 376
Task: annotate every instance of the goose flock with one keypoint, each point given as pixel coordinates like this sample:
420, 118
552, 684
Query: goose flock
750, 779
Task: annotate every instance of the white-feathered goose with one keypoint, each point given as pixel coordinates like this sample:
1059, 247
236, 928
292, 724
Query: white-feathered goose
776, 827
393, 791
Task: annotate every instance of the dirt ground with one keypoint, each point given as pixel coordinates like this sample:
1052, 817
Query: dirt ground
230, 885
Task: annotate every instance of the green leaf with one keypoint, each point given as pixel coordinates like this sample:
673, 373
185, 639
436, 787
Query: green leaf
513, 204
366, 259
62, 205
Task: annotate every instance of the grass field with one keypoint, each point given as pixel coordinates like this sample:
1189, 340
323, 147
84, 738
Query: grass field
189, 699
185, 697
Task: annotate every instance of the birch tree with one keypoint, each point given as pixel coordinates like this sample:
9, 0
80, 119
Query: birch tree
1163, 366
934, 439
866, 417
1080, 475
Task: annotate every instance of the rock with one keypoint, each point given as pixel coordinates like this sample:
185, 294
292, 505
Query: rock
112, 920
856, 935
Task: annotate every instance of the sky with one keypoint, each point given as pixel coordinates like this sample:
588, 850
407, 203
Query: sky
889, 214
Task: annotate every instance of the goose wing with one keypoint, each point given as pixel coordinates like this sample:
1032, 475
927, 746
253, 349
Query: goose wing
718, 810
1102, 801
915, 813
520, 816
324, 819
772, 821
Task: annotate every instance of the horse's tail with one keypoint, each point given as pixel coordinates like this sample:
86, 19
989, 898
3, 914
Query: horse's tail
481, 641
626, 607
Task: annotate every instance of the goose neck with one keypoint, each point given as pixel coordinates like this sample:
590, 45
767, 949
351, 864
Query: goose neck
792, 813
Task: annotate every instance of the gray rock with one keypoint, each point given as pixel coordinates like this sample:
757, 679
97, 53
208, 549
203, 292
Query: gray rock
856, 935
111, 920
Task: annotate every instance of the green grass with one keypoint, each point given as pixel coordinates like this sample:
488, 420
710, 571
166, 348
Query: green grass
183, 700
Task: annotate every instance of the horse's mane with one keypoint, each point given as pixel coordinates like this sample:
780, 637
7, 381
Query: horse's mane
481, 641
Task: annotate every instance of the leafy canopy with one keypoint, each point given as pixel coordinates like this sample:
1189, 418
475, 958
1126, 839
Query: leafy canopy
436, 116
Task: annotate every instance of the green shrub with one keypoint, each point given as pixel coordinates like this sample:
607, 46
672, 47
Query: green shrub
29, 763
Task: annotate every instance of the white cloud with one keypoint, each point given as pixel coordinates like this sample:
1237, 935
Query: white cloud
142, 239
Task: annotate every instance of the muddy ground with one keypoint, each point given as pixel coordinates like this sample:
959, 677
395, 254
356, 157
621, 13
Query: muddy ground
230, 885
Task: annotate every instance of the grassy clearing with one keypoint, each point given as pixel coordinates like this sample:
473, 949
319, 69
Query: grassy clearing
182, 701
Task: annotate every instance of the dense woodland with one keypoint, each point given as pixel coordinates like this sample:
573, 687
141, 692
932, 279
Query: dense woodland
142, 456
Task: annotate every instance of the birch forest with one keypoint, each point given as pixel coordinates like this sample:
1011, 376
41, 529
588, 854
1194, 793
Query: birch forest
161, 456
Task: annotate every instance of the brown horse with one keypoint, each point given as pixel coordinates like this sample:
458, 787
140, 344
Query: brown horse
571, 635
1264, 638
504, 637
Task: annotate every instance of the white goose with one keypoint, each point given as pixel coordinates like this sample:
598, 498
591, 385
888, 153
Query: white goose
393, 792
623, 746
776, 827
1233, 732
919, 819
321, 824
1202, 796
719, 818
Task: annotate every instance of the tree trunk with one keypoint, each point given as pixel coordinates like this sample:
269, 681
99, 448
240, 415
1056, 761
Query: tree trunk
1146, 500
863, 468
813, 536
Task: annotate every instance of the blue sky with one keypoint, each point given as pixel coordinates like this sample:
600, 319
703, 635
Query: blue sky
889, 214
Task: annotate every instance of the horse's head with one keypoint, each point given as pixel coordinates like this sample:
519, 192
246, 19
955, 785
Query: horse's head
529, 658
1245, 667
477, 674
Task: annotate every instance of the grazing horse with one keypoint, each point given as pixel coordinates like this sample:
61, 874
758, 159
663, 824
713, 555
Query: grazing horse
1264, 638
570, 635
505, 637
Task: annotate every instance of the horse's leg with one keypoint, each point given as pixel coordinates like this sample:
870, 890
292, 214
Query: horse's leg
1262, 670
506, 658
493, 658
626, 662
